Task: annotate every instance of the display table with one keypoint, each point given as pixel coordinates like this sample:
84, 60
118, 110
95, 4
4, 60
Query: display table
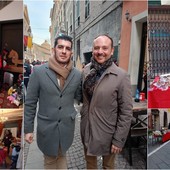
141, 105
159, 99
166, 137
140, 111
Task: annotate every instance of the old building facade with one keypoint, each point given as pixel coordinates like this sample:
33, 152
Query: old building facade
28, 54
33, 51
84, 20
133, 43
42, 52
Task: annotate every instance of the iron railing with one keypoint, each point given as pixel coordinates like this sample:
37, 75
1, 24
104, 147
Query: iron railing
158, 41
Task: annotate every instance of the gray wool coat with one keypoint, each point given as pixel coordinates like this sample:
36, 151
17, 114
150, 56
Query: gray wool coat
107, 118
56, 112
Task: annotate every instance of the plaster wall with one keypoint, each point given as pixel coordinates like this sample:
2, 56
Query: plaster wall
12, 11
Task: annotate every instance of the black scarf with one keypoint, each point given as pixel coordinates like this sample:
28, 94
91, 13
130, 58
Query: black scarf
96, 71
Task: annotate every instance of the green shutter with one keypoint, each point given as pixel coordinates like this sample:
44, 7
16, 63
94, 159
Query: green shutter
154, 2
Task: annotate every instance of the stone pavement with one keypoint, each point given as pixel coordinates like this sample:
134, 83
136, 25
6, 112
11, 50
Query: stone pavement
160, 157
152, 147
33, 158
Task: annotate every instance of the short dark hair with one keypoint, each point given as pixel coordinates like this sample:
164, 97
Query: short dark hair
62, 36
107, 37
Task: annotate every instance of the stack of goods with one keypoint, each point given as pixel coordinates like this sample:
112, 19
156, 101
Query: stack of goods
15, 93
161, 82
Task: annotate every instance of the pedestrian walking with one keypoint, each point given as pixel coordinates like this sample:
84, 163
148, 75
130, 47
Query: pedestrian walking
27, 72
107, 105
54, 86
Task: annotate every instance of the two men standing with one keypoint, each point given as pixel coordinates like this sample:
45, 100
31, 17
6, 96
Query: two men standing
106, 112
107, 106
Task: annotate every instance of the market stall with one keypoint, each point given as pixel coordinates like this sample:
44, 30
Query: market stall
159, 92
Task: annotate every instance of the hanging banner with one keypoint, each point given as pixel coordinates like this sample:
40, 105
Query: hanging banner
29, 45
25, 41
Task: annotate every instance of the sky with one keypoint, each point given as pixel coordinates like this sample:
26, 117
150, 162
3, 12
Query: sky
39, 15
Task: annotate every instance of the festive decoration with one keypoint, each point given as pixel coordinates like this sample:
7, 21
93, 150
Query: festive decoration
161, 82
27, 41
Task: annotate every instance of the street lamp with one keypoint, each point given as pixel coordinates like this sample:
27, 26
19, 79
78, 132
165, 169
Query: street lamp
127, 15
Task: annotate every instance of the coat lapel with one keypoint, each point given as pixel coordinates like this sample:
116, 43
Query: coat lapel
51, 74
111, 69
69, 78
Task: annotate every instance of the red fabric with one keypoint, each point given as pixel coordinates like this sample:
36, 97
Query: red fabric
159, 99
25, 40
2, 156
166, 137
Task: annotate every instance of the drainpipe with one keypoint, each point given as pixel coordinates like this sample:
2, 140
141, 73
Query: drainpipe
74, 37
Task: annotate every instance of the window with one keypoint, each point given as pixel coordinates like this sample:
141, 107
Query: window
87, 8
71, 28
77, 8
78, 47
115, 55
78, 22
77, 13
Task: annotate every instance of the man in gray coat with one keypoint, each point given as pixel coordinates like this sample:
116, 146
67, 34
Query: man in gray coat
107, 106
54, 86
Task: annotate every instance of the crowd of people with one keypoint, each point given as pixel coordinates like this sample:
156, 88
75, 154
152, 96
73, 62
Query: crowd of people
55, 86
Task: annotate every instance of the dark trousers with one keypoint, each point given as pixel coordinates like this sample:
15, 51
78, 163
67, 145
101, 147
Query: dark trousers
26, 80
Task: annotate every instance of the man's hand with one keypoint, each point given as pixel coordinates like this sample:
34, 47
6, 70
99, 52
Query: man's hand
115, 149
29, 137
